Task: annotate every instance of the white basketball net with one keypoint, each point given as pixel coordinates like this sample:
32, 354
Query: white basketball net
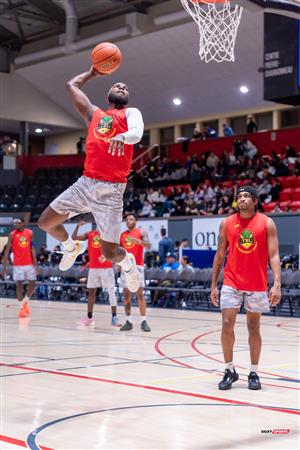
218, 24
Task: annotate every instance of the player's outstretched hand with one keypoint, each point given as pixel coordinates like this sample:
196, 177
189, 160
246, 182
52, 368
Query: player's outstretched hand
214, 296
116, 145
274, 295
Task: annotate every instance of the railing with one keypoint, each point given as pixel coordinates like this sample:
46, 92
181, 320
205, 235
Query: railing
141, 161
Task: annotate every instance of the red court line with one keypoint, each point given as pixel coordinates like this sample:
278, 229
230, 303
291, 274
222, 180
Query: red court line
157, 348
14, 441
155, 388
194, 346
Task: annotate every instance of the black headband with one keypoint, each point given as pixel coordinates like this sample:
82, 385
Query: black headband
251, 190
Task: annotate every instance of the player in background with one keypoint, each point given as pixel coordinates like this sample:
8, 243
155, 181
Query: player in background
109, 149
250, 240
20, 241
101, 274
134, 240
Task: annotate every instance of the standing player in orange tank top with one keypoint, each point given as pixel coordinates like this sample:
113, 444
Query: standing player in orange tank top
250, 241
25, 263
109, 150
134, 240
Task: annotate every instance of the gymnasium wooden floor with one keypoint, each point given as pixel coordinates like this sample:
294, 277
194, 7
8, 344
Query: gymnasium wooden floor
69, 388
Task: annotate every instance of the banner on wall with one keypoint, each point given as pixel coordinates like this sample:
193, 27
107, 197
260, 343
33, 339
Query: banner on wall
70, 227
152, 227
205, 233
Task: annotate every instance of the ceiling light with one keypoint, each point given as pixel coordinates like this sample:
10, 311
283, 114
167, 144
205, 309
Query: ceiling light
244, 89
38, 130
177, 101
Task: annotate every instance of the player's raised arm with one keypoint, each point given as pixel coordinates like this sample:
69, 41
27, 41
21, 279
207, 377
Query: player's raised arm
79, 99
79, 237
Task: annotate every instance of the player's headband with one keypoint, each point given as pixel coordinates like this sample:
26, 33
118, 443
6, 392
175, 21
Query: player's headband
251, 190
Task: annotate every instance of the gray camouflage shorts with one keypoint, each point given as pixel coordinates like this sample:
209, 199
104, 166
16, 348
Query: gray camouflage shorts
253, 301
101, 198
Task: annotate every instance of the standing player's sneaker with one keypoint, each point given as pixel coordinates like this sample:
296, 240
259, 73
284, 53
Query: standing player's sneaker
23, 312
127, 326
253, 381
86, 321
132, 277
228, 379
26, 308
115, 321
69, 258
145, 326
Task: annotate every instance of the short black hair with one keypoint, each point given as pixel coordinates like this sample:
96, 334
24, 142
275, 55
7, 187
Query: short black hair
131, 214
163, 231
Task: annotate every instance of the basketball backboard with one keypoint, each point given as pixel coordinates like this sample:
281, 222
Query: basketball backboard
289, 8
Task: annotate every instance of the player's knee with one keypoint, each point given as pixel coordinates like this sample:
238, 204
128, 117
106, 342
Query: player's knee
227, 324
253, 327
42, 223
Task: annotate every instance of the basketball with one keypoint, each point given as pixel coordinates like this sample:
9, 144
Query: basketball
106, 57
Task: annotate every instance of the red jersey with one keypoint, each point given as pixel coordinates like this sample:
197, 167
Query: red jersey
99, 164
95, 252
21, 247
135, 249
247, 259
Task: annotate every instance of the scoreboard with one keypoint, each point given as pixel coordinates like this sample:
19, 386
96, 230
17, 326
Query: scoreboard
281, 59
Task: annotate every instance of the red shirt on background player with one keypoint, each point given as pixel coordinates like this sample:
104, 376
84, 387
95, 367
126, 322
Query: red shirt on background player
20, 241
135, 240
101, 274
250, 240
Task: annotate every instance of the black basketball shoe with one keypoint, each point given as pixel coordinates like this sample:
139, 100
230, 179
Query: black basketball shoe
228, 379
253, 381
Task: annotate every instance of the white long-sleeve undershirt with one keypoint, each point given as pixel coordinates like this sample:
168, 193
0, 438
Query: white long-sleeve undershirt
135, 126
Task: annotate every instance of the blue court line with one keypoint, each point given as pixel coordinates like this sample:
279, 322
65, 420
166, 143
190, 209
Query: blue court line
32, 436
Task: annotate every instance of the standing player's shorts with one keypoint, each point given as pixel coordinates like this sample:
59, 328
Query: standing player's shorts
103, 199
24, 273
104, 278
253, 301
141, 270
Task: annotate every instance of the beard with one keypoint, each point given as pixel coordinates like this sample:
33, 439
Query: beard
117, 100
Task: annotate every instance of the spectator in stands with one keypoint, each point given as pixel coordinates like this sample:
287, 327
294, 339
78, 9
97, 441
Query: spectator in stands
251, 125
227, 130
43, 256
56, 255
147, 210
171, 263
249, 148
165, 246
212, 161
185, 264
80, 145
263, 190
197, 135
209, 133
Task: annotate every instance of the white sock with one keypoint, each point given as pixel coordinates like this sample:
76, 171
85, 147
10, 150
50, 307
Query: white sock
112, 296
254, 368
69, 244
230, 366
129, 319
143, 318
126, 263
25, 299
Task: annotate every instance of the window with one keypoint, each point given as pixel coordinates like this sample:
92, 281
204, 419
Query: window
187, 130
290, 117
167, 135
264, 121
239, 124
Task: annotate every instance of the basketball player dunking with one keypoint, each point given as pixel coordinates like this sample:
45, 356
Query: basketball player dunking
109, 149
251, 240
134, 240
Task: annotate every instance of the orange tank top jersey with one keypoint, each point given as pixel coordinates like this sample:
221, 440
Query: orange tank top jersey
21, 247
246, 268
136, 250
94, 252
99, 164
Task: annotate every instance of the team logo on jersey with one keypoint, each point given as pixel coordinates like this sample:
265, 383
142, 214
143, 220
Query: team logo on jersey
104, 130
128, 243
246, 242
23, 241
96, 243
